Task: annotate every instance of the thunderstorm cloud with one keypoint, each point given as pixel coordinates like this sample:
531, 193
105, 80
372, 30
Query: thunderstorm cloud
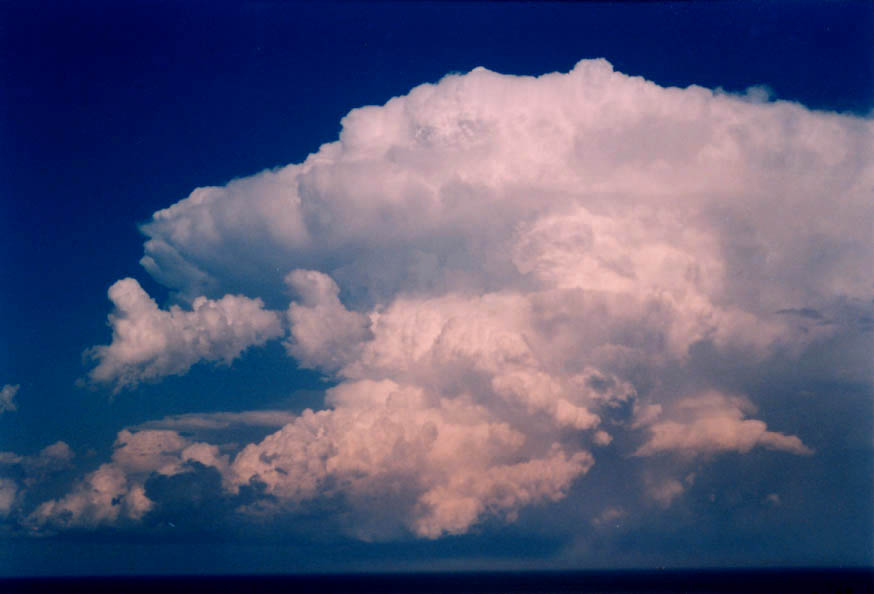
503, 277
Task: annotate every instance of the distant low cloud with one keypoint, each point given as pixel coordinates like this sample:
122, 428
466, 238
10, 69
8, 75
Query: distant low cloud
19, 473
104, 496
664, 492
115, 493
50, 458
218, 421
8, 492
7, 398
611, 516
149, 343
501, 275
712, 423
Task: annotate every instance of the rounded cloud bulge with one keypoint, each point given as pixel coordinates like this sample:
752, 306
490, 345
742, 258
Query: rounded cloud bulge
437, 191
505, 274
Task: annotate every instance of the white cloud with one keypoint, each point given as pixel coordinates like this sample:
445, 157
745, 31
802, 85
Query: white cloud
8, 493
610, 516
103, 496
502, 272
147, 451
9, 458
448, 397
7, 397
58, 451
23, 472
711, 423
674, 191
456, 463
149, 343
323, 332
664, 492
115, 492
51, 458
192, 422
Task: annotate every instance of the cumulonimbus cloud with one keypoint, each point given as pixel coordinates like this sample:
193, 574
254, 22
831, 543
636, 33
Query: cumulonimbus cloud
499, 271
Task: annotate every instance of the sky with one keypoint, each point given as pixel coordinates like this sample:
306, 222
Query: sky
343, 286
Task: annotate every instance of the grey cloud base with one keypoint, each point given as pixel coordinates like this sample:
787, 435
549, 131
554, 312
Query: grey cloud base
505, 277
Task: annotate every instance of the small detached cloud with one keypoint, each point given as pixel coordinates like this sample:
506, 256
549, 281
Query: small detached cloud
19, 473
114, 493
51, 458
711, 423
104, 496
773, 500
8, 494
611, 516
7, 398
664, 492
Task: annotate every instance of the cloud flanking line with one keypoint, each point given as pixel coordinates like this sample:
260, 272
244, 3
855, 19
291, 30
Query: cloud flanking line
149, 343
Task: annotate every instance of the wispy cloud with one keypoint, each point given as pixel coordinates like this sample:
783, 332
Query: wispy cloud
7, 398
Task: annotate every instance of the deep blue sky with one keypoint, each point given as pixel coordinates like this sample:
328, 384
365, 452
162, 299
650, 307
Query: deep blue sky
110, 111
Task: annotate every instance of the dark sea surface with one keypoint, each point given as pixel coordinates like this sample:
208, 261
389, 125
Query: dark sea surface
819, 581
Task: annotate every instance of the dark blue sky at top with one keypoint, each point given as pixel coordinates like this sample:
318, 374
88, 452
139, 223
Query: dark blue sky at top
110, 111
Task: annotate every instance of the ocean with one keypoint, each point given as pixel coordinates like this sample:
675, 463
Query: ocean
783, 581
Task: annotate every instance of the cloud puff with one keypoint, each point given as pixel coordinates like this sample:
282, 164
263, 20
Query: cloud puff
8, 492
485, 180
52, 457
115, 492
773, 500
323, 333
19, 473
502, 273
610, 516
7, 398
666, 491
103, 496
712, 423
451, 461
149, 343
